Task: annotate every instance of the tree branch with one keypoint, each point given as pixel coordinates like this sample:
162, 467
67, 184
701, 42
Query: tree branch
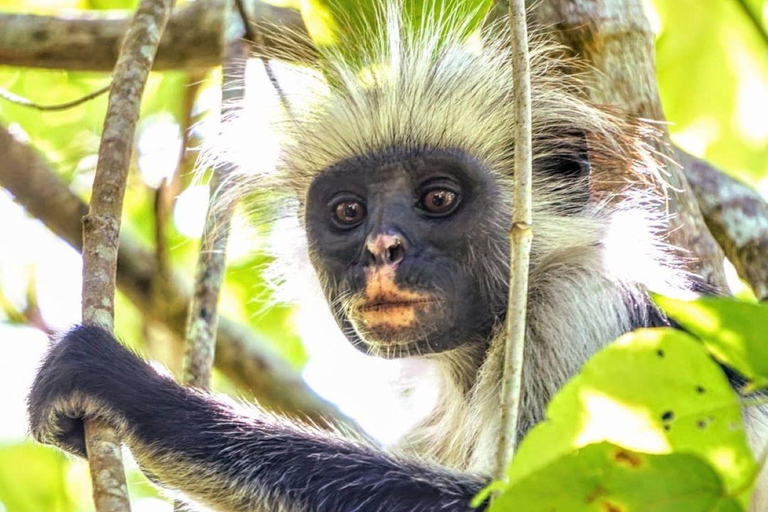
101, 227
211, 264
520, 238
710, 212
247, 360
736, 215
615, 38
90, 40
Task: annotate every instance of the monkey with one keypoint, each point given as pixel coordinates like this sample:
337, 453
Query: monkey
401, 180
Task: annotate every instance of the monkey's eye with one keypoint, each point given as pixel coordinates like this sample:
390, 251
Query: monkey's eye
349, 213
439, 201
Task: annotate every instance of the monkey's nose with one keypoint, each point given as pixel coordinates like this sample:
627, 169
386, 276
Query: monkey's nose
386, 249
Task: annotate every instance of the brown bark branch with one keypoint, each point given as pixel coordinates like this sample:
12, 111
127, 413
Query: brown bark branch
247, 360
101, 227
90, 41
615, 38
13, 98
736, 215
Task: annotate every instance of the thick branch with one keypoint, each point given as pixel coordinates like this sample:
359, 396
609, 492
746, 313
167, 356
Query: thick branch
247, 360
615, 38
101, 227
736, 215
90, 41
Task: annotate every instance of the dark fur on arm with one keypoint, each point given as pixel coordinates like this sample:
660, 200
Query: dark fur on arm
218, 455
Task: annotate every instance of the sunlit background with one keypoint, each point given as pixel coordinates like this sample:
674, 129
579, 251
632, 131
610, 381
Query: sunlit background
713, 74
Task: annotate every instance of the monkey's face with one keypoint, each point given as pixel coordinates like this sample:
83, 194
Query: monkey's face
410, 250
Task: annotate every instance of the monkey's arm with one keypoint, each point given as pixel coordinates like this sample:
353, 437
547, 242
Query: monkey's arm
217, 454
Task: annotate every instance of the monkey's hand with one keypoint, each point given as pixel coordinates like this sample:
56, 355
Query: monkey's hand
83, 376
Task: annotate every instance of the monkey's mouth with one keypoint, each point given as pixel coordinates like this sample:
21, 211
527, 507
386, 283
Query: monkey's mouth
389, 314
386, 305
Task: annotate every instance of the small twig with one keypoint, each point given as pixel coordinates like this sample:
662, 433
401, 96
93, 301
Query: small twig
101, 227
520, 236
203, 317
754, 19
20, 100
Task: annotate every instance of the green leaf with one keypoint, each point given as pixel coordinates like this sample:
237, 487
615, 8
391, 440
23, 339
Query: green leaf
607, 478
654, 391
735, 332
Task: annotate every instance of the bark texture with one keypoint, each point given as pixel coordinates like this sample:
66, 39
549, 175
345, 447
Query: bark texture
520, 238
90, 41
101, 227
736, 215
616, 40
247, 360
211, 264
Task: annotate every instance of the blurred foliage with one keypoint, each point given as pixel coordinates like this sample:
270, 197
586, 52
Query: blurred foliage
713, 74
712, 68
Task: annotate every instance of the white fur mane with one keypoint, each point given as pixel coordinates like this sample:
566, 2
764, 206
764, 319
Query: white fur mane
424, 88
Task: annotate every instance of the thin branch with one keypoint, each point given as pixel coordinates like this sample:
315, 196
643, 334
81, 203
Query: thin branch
20, 100
90, 40
247, 360
203, 320
520, 236
211, 263
101, 227
754, 19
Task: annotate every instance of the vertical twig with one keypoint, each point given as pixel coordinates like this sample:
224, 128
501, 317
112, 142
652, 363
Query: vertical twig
520, 236
203, 318
101, 227
202, 321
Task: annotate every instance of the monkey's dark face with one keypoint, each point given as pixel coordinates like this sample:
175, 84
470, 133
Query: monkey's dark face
402, 246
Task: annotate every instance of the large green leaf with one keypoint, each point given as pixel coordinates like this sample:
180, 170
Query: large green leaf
735, 332
654, 391
603, 477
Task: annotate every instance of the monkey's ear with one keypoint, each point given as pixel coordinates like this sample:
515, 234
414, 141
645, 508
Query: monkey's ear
566, 167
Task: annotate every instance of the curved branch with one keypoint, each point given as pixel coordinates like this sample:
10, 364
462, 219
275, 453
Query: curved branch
243, 357
736, 215
203, 318
90, 41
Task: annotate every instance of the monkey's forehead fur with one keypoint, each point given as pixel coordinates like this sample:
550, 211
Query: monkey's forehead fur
411, 90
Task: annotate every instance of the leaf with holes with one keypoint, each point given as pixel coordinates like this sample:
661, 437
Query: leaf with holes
603, 477
735, 332
655, 391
